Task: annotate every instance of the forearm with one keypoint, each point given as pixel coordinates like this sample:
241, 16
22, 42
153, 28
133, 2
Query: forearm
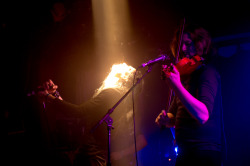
63, 107
195, 107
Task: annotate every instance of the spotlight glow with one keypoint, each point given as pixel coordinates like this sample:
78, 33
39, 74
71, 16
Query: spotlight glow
119, 73
111, 21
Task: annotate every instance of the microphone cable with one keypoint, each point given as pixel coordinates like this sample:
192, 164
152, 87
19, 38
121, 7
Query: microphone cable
133, 107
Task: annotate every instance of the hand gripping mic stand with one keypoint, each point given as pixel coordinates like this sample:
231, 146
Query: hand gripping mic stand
109, 120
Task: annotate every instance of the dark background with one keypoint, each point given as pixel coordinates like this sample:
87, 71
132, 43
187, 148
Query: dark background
34, 48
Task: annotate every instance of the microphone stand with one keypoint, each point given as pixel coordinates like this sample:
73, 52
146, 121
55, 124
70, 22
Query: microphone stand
109, 120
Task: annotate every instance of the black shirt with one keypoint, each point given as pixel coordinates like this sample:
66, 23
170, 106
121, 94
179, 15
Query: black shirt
204, 85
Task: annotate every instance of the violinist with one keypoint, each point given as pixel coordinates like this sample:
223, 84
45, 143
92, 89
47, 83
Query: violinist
195, 110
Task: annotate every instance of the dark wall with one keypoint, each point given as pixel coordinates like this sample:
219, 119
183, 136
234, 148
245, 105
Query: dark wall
235, 88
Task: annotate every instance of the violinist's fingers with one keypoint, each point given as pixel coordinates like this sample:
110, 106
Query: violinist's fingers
164, 112
174, 69
166, 70
168, 74
163, 115
158, 120
161, 119
158, 117
164, 67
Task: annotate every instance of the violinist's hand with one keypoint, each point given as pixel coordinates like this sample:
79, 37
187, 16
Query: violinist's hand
165, 119
172, 75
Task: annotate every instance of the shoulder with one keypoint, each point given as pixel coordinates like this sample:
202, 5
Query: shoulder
109, 92
104, 100
210, 72
107, 95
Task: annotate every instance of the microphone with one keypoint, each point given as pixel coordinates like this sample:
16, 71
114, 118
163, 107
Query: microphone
156, 60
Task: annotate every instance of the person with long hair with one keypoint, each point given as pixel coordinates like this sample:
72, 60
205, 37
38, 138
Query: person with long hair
195, 111
93, 147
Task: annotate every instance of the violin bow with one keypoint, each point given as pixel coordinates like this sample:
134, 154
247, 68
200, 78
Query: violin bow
177, 55
180, 41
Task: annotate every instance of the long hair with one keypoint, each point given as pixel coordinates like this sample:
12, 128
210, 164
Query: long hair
199, 36
120, 77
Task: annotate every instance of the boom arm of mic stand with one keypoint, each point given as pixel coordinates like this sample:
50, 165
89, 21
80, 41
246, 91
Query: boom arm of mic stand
109, 120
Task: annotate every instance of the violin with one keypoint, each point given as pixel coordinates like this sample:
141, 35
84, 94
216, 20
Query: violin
187, 66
